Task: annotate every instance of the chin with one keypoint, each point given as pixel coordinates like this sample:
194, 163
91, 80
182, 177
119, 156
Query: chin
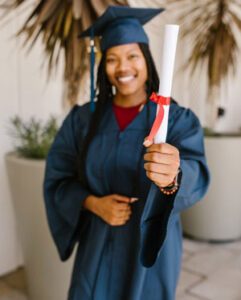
127, 92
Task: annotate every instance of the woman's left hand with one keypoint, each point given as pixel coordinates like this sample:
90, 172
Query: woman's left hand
162, 163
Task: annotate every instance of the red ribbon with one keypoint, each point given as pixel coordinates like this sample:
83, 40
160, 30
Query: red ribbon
160, 100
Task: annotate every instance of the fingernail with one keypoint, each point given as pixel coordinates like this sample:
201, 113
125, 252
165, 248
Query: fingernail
133, 199
147, 143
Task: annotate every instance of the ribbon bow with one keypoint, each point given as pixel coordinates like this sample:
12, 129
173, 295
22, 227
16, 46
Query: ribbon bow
160, 100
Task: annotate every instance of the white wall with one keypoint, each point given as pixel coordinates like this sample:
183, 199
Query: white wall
191, 92
24, 91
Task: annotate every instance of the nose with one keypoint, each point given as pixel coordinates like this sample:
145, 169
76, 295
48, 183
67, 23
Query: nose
123, 65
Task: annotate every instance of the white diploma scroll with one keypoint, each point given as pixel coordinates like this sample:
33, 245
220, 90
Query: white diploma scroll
168, 59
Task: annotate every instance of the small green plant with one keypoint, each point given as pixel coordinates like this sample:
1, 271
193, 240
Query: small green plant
33, 137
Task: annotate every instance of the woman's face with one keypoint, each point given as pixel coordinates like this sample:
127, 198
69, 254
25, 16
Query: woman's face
126, 69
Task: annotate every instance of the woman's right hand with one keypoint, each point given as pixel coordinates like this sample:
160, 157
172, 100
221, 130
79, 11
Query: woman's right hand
113, 209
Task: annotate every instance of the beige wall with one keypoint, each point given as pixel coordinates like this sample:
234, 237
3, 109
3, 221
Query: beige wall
24, 91
191, 92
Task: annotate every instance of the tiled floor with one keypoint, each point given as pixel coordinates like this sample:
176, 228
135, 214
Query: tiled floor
209, 272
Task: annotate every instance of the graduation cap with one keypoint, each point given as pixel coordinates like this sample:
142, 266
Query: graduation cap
118, 25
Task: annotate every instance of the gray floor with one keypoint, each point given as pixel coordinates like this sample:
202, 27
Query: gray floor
209, 272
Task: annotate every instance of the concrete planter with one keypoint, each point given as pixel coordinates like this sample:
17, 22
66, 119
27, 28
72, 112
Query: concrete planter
217, 217
47, 277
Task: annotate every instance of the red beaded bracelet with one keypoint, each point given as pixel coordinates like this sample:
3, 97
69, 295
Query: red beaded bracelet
169, 192
171, 188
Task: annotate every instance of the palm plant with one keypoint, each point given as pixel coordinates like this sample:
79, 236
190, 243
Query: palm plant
212, 27
57, 23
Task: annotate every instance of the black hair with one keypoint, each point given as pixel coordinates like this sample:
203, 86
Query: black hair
105, 96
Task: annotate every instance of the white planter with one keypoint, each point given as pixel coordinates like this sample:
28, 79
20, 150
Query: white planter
217, 217
47, 277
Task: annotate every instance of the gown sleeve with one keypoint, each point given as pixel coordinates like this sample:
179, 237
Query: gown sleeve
64, 194
186, 134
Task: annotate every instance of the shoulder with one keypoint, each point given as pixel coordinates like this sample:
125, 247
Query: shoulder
182, 123
180, 113
80, 115
76, 122
180, 118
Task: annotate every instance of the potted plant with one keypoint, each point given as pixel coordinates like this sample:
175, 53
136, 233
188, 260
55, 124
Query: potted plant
213, 27
47, 277
217, 216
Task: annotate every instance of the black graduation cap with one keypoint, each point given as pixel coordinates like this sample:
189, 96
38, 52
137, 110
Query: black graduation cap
118, 25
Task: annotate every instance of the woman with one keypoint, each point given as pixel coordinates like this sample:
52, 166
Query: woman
98, 175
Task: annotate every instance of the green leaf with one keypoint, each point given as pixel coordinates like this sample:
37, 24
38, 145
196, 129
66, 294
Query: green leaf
34, 137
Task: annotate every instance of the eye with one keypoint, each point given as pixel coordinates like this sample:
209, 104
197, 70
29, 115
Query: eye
110, 59
133, 56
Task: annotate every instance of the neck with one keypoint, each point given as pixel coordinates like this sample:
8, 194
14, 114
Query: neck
130, 100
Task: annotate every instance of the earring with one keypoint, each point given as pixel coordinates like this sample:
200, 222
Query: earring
113, 89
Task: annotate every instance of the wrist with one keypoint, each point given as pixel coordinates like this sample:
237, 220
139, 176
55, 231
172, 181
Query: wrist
90, 203
174, 185
170, 184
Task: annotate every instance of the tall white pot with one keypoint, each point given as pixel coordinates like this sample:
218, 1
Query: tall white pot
47, 277
217, 217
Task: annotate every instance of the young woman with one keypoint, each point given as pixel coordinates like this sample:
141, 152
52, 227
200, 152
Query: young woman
99, 173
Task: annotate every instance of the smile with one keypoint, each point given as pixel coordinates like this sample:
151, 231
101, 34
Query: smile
125, 79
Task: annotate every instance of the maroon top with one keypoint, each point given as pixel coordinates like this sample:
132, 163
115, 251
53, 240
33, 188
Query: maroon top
124, 115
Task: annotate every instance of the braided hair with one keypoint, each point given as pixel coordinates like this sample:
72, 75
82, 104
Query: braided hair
105, 96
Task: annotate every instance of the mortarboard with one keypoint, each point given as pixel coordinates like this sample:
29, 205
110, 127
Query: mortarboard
118, 25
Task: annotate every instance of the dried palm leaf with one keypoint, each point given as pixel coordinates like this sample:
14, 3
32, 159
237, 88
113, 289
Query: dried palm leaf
57, 23
211, 26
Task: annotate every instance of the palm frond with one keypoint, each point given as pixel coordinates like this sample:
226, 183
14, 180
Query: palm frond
211, 27
57, 23
208, 24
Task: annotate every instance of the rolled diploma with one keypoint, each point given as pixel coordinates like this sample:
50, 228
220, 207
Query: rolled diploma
168, 59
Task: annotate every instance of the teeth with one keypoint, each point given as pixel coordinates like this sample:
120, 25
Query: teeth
125, 79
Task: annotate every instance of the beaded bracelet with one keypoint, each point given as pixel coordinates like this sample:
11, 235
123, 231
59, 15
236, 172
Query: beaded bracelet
171, 188
170, 191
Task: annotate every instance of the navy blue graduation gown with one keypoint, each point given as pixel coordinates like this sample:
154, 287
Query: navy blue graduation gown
141, 259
